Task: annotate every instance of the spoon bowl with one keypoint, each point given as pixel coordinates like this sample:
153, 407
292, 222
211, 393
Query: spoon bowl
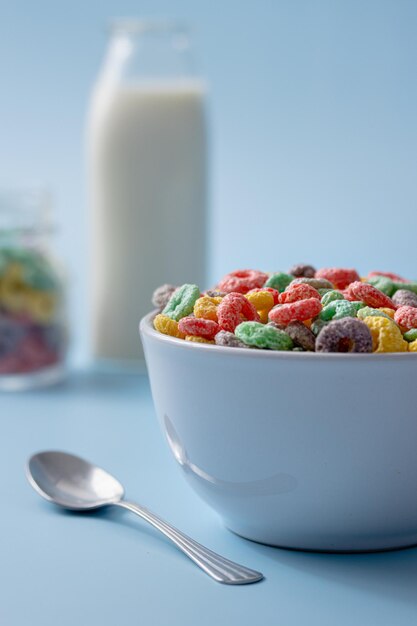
72, 482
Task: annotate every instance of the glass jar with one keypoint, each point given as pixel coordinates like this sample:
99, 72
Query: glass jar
33, 331
147, 162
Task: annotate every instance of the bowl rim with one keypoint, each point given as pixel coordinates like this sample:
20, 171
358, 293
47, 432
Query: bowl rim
146, 328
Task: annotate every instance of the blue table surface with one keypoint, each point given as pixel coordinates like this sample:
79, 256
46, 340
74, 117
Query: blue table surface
110, 568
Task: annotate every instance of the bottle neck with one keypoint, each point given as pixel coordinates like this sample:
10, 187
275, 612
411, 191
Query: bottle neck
141, 51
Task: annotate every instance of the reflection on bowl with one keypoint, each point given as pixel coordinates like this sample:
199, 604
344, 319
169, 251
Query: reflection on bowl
310, 451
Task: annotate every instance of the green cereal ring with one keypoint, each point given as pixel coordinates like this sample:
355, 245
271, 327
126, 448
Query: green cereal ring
386, 285
40, 275
182, 301
317, 325
368, 311
337, 309
323, 290
410, 335
279, 281
263, 336
408, 286
331, 295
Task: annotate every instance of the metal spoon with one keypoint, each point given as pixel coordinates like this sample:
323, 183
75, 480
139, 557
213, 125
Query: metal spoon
75, 484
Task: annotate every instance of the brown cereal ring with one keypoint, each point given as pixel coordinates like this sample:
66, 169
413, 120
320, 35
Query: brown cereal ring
301, 335
317, 283
345, 335
302, 270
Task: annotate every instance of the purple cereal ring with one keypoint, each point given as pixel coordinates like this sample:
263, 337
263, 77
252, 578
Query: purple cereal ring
161, 295
302, 270
403, 297
345, 335
225, 338
301, 336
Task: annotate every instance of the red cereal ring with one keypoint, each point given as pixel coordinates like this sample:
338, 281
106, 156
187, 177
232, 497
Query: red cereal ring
199, 327
295, 311
233, 309
390, 275
274, 292
298, 291
369, 294
406, 316
242, 281
338, 276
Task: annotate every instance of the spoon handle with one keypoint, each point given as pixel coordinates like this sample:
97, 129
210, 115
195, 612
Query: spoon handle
216, 566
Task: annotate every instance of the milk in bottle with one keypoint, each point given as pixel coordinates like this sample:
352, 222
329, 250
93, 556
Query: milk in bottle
147, 169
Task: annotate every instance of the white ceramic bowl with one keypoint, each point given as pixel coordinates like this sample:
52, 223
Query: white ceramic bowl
302, 450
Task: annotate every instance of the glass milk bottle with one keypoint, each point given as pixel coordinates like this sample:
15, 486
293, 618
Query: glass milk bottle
147, 171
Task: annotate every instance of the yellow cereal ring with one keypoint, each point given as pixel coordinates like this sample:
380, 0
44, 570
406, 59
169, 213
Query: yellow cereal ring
412, 346
261, 300
206, 307
197, 339
389, 312
41, 305
14, 272
167, 326
386, 336
13, 294
263, 315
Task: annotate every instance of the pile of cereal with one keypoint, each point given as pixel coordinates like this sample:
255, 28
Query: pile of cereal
325, 310
32, 333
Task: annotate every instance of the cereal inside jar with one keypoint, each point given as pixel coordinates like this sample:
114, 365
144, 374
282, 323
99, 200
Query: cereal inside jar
33, 332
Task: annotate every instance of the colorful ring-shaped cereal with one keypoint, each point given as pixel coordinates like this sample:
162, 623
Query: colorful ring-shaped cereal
273, 292
382, 283
224, 338
263, 336
262, 299
317, 283
302, 269
337, 309
330, 296
206, 307
242, 281
232, 309
161, 296
300, 291
386, 335
339, 277
295, 311
368, 294
406, 316
345, 335
403, 297
301, 336
390, 275
279, 281
167, 326
182, 301
410, 335
199, 327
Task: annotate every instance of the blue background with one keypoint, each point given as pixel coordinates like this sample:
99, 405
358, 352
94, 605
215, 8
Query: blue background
312, 114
